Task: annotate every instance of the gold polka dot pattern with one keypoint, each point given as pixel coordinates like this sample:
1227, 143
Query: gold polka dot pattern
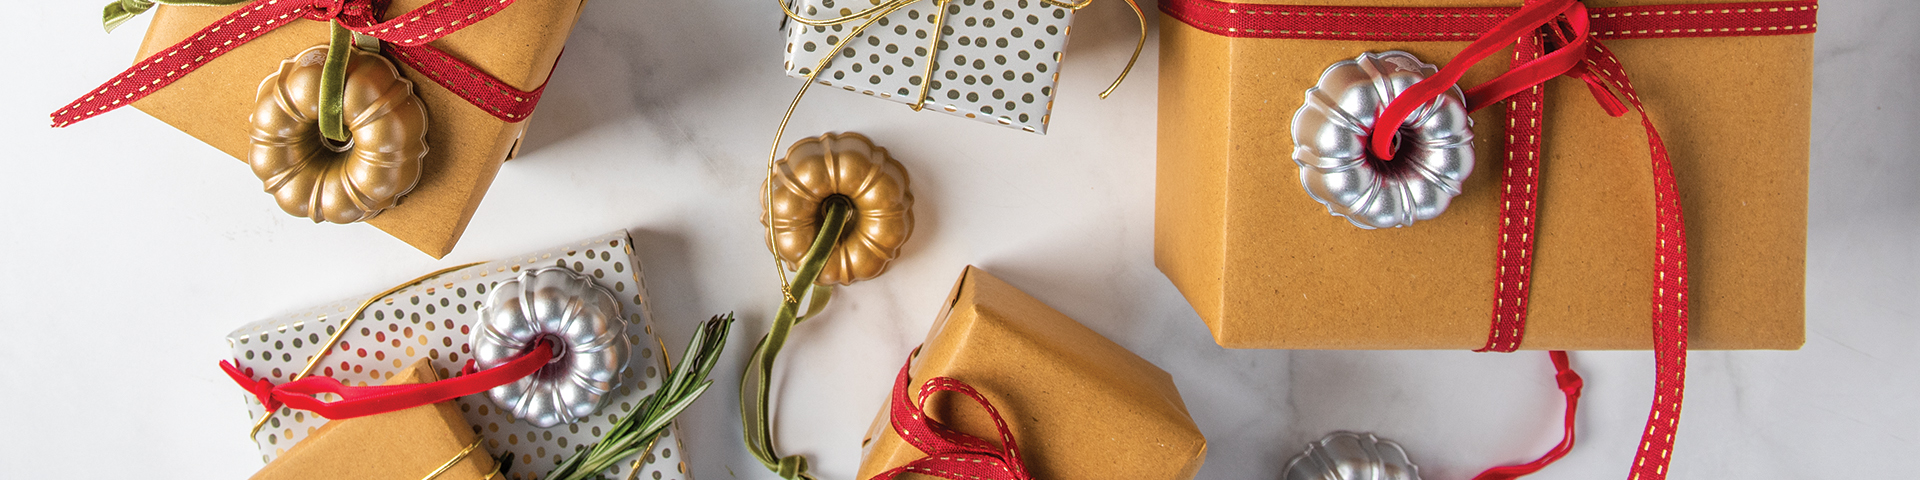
432, 320
998, 59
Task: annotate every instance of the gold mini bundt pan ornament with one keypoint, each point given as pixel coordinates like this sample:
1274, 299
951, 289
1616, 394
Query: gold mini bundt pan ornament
845, 165
325, 182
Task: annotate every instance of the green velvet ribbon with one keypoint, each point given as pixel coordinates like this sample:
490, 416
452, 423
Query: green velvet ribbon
119, 11
758, 379
333, 74
333, 84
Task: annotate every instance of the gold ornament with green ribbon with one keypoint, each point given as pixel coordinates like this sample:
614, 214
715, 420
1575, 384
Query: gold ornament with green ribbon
838, 208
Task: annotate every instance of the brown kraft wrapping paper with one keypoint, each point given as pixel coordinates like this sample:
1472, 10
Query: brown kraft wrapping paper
1265, 266
519, 45
1080, 407
401, 445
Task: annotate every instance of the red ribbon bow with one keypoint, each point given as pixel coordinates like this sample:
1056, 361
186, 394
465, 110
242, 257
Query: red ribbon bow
406, 37
950, 454
375, 399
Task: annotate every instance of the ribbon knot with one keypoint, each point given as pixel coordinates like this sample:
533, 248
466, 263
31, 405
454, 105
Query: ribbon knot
325, 10
950, 453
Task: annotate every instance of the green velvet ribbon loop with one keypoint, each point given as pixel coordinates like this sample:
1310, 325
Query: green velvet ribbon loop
757, 382
120, 11
333, 84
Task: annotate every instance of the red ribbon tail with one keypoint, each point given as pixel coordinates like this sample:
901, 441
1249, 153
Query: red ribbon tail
376, 399
1570, 384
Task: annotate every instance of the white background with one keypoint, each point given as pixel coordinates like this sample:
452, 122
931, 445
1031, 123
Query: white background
131, 249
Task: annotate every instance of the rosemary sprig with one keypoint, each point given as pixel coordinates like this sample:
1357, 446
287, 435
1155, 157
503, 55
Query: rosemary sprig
637, 430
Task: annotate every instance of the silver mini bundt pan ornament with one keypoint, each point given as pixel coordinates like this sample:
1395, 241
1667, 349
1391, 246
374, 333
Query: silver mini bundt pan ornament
583, 322
1433, 150
1352, 456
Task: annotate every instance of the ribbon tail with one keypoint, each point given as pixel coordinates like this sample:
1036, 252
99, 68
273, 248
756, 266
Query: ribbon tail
163, 68
1138, 45
371, 400
1570, 384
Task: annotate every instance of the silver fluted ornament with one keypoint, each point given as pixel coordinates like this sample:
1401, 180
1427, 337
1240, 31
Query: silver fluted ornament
1352, 456
583, 322
1433, 148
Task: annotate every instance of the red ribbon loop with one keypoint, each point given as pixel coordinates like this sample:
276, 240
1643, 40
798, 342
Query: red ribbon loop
1528, 19
303, 394
950, 454
407, 36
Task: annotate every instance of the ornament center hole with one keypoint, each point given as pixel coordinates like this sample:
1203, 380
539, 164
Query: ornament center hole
559, 348
337, 147
1402, 161
842, 199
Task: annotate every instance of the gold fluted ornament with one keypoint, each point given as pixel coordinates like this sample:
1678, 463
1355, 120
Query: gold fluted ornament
325, 181
843, 165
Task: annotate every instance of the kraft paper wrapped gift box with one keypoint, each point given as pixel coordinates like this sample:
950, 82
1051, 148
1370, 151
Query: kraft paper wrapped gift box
1267, 267
1079, 406
402, 445
431, 321
518, 45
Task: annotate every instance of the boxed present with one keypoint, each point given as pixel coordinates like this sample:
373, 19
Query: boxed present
432, 321
518, 46
1078, 405
995, 61
1266, 266
407, 444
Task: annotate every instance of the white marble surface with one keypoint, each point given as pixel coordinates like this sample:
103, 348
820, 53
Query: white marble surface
132, 249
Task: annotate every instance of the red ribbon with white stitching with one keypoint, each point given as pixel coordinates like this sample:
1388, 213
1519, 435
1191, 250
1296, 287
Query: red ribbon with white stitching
407, 36
361, 401
950, 454
1576, 32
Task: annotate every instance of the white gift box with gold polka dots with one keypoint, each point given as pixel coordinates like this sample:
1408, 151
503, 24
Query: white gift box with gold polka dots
432, 320
997, 61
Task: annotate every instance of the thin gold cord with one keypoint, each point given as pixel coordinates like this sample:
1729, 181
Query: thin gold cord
933, 54
342, 330
462, 456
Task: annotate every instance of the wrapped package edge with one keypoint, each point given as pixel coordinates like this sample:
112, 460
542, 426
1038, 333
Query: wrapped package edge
276, 348
1266, 267
214, 103
406, 444
978, 66
1137, 428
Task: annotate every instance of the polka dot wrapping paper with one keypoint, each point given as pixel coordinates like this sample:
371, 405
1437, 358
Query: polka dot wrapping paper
997, 60
432, 320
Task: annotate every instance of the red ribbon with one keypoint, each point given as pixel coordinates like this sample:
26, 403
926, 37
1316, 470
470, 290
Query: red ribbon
375, 399
1579, 54
406, 36
950, 454
1570, 384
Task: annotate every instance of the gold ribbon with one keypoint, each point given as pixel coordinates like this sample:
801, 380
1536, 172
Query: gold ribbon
463, 456
874, 14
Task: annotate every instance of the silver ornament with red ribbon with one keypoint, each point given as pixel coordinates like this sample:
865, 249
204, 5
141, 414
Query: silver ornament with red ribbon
1433, 148
1352, 456
579, 318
